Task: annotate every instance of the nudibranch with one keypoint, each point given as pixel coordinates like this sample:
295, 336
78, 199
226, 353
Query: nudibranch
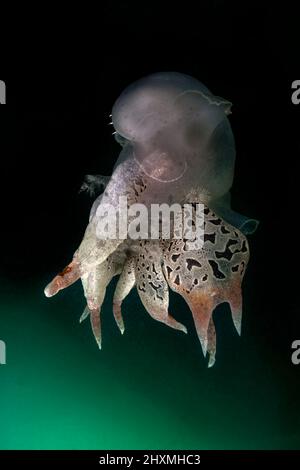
177, 147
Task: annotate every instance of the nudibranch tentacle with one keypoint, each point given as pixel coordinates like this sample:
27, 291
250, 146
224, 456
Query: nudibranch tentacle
152, 285
94, 286
65, 278
125, 284
210, 276
211, 343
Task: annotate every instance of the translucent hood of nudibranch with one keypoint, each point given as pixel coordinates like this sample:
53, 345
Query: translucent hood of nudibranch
178, 132
177, 147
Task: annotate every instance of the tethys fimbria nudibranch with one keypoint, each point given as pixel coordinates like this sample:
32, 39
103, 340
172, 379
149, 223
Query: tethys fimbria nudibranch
177, 147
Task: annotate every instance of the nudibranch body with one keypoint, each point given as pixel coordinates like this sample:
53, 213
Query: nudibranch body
178, 147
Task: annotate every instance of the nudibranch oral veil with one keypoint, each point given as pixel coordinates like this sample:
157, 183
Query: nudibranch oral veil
177, 148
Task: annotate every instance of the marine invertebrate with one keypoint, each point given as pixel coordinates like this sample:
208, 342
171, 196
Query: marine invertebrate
178, 147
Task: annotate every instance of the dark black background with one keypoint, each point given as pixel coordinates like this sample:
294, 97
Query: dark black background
54, 130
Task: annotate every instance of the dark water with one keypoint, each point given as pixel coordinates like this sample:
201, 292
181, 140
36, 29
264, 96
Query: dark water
149, 388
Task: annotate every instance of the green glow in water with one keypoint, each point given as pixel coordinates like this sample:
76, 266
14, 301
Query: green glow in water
147, 389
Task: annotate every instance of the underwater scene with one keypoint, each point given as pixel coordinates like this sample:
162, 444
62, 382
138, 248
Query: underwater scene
148, 294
